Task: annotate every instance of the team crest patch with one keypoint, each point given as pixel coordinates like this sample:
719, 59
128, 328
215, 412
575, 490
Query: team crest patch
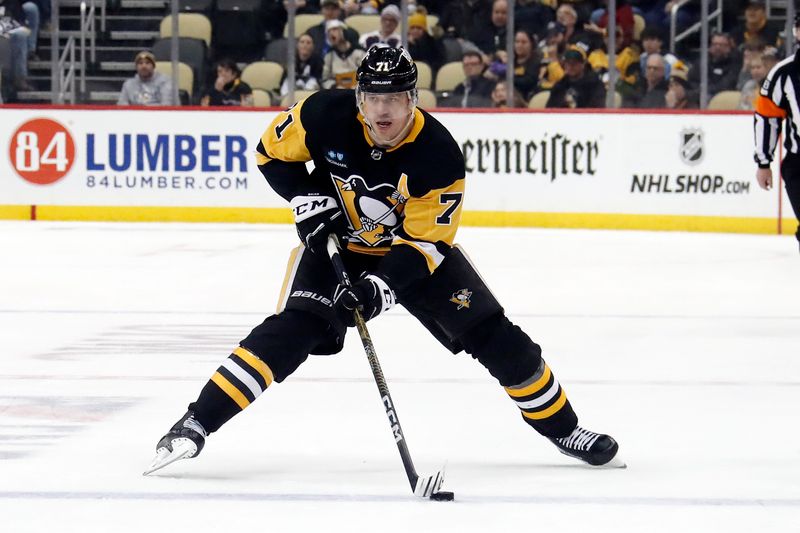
462, 298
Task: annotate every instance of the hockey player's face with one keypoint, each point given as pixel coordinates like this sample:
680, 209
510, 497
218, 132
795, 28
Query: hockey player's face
387, 113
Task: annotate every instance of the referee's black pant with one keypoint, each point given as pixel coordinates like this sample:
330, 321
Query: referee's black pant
790, 171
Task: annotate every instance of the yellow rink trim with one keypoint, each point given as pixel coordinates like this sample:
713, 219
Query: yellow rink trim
280, 215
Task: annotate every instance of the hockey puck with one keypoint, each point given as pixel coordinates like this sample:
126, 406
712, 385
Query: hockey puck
443, 496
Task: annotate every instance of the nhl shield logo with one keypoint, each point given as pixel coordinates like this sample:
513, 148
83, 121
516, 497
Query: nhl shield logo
461, 298
692, 150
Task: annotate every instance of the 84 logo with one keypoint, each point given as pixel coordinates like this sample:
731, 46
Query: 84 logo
42, 151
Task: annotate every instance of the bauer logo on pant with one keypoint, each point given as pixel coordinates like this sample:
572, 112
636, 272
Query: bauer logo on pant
462, 298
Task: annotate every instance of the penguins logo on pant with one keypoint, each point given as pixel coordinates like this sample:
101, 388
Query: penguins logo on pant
374, 213
462, 298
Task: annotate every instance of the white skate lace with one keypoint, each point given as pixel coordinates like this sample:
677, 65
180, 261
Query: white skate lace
194, 425
580, 439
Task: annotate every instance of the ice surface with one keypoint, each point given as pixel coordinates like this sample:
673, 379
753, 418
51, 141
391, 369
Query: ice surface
685, 347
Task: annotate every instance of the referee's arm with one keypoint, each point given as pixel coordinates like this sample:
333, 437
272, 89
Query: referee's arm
767, 129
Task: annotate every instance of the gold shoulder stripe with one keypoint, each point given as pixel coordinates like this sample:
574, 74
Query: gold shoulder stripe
257, 364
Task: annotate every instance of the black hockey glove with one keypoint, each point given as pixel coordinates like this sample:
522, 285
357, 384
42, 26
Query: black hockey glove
315, 218
371, 295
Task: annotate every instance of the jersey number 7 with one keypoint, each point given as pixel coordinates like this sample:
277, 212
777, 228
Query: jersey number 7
452, 200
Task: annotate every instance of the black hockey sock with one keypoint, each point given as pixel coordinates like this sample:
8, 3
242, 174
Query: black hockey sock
544, 403
235, 385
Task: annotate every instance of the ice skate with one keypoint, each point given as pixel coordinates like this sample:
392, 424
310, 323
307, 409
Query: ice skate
184, 441
592, 448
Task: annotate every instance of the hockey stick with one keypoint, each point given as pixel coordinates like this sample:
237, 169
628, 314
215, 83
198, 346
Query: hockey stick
423, 486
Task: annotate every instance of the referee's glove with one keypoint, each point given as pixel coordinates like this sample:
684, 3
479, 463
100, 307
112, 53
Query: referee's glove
371, 295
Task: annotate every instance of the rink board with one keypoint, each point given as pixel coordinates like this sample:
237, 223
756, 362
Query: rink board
590, 170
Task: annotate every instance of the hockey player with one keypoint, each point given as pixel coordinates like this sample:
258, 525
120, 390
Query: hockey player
779, 99
388, 179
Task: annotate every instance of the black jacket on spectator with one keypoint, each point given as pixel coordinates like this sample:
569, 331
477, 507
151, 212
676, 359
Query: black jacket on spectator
533, 17
655, 98
458, 19
472, 93
526, 77
488, 37
230, 95
722, 74
427, 49
586, 91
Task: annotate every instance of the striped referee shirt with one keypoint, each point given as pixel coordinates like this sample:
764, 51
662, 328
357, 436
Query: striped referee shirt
778, 99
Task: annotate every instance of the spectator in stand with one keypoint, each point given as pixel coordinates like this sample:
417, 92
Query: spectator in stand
624, 19
33, 20
228, 88
476, 89
147, 87
627, 66
568, 17
13, 28
680, 94
656, 84
723, 65
307, 67
342, 60
499, 96
387, 34
580, 87
756, 27
653, 43
656, 13
421, 45
331, 10
555, 44
533, 16
491, 35
751, 51
363, 7
526, 63
759, 67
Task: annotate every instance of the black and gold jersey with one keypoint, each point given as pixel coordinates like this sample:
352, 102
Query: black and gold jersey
405, 200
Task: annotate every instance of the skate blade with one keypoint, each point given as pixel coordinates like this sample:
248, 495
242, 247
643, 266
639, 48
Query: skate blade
181, 449
615, 462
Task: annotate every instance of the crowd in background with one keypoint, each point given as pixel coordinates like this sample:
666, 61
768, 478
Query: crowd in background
560, 50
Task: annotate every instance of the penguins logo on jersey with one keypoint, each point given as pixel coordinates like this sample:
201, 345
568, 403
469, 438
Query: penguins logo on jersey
374, 213
462, 298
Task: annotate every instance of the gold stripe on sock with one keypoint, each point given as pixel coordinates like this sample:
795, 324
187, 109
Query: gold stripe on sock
230, 390
536, 386
550, 411
257, 364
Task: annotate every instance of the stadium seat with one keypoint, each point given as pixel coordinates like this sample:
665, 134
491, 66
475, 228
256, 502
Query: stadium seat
261, 98
238, 29
298, 95
452, 50
191, 51
424, 75
196, 6
185, 75
450, 75
363, 23
725, 101
192, 25
276, 51
264, 75
302, 22
539, 100
432, 21
427, 99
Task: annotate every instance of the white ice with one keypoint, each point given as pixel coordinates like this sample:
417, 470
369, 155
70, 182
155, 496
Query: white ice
682, 346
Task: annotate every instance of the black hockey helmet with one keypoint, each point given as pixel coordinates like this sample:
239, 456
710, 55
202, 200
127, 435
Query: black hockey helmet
387, 70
